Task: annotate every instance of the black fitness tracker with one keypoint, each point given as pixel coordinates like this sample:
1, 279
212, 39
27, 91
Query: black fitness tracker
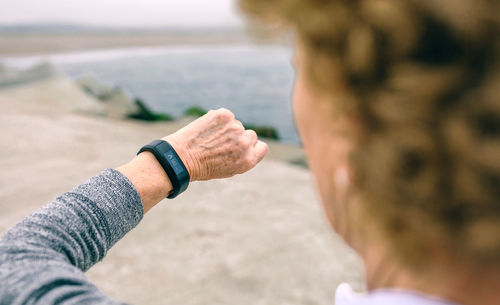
171, 163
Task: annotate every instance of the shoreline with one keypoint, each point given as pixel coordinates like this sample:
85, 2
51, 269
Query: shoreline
26, 44
82, 55
45, 90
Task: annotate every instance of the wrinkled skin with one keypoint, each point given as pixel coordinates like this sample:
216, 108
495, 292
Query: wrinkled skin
217, 146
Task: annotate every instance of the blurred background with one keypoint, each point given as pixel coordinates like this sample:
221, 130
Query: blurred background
83, 84
170, 55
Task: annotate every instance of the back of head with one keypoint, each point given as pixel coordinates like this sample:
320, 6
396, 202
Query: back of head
425, 78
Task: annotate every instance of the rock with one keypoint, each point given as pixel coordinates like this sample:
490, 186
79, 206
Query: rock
146, 114
118, 102
44, 89
10, 76
53, 97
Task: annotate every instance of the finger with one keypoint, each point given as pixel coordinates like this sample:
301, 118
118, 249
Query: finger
239, 124
251, 136
260, 150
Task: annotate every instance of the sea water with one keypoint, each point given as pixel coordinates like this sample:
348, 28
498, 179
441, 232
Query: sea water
255, 82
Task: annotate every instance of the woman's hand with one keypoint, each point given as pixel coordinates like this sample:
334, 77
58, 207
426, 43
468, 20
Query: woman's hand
214, 146
217, 146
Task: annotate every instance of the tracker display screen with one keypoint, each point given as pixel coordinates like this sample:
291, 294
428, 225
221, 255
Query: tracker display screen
174, 161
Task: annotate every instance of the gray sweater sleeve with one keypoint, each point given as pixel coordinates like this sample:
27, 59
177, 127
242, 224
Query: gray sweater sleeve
44, 257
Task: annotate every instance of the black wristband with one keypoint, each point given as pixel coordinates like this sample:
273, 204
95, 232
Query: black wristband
171, 163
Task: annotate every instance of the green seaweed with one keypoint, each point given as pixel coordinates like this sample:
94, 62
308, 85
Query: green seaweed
196, 111
146, 114
264, 131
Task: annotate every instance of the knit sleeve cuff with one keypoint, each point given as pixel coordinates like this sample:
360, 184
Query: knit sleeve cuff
115, 201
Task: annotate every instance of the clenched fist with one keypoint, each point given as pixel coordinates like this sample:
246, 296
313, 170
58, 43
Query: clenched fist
217, 146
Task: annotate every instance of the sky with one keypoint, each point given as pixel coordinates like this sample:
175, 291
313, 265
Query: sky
131, 13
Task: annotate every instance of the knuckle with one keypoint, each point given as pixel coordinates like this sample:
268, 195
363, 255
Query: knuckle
246, 142
239, 126
243, 144
235, 128
232, 130
252, 134
211, 113
225, 114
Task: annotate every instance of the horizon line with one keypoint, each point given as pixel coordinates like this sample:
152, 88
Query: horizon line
74, 25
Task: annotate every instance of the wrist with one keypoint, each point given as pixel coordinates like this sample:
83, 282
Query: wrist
148, 177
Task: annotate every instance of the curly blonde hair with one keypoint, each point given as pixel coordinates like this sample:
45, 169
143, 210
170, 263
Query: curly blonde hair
426, 78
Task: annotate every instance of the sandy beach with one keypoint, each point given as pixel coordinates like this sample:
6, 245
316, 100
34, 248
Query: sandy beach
17, 44
257, 238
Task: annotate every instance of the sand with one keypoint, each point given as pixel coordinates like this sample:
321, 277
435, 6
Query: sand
16, 44
257, 238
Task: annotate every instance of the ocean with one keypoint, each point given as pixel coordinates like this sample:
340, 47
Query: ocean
255, 82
